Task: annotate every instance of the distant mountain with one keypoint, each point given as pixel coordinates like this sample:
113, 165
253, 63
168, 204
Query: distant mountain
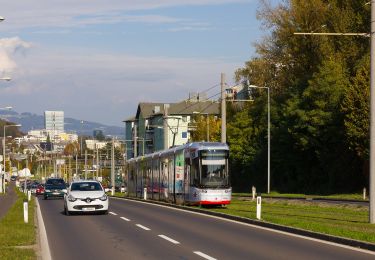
31, 121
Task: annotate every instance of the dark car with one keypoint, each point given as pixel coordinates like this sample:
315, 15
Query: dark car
13, 178
54, 188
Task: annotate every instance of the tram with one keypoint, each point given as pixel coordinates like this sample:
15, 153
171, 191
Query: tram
194, 173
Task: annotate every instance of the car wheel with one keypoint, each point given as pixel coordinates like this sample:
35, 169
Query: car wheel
45, 197
105, 212
67, 213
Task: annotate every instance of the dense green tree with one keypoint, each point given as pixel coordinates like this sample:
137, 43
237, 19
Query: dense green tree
319, 98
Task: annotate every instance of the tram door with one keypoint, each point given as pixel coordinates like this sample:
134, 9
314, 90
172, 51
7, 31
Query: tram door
186, 179
179, 177
170, 178
164, 180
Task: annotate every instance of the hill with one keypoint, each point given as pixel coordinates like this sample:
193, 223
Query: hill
30, 121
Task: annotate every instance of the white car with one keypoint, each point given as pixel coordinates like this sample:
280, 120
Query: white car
85, 196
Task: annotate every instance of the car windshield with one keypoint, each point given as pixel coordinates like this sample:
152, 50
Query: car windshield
55, 182
86, 186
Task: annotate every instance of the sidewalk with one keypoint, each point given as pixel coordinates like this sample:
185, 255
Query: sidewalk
8, 199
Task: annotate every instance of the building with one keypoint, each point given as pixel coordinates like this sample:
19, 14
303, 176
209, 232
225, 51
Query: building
158, 126
54, 121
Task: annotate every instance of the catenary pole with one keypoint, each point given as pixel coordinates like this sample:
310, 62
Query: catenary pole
223, 111
113, 167
372, 119
165, 127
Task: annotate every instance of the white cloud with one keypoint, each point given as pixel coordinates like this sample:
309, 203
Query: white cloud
106, 86
8, 48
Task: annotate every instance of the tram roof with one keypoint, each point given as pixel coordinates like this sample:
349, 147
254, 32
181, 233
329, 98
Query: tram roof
196, 145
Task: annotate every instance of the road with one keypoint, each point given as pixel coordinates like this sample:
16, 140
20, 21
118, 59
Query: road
135, 230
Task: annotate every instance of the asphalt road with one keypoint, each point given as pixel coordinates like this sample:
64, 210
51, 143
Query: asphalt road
135, 230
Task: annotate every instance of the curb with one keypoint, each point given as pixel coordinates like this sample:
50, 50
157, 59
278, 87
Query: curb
296, 231
43, 241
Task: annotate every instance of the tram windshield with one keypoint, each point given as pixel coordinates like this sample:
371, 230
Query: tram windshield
214, 173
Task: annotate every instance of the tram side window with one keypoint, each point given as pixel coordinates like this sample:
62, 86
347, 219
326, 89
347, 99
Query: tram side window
194, 172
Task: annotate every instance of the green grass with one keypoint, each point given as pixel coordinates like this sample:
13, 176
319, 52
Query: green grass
117, 194
350, 221
14, 232
354, 196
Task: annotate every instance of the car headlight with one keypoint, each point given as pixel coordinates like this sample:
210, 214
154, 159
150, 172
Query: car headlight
71, 198
64, 190
48, 190
104, 197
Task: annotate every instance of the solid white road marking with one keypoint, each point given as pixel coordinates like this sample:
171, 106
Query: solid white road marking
143, 227
126, 219
204, 255
44, 245
113, 213
169, 239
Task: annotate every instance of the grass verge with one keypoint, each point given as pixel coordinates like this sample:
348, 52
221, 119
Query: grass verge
354, 196
350, 221
14, 233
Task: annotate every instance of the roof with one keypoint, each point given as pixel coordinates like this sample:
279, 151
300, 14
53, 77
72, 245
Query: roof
189, 107
148, 109
182, 108
130, 119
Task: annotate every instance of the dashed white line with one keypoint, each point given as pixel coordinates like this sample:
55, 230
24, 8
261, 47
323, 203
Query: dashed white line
143, 227
204, 255
169, 239
113, 213
126, 219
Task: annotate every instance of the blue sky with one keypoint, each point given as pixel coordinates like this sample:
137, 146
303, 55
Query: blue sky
96, 60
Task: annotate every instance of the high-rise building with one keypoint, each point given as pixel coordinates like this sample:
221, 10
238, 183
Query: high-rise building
54, 121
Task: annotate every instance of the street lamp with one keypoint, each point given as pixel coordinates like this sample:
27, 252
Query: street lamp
207, 124
2, 182
268, 135
81, 136
6, 78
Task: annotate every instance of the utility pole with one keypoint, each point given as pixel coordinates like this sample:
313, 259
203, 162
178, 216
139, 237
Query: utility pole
85, 164
165, 127
113, 166
372, 119
76, 163
97, 163
81, 147
135, 140
223, 111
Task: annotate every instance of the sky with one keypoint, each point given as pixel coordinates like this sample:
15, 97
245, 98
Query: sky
97, 59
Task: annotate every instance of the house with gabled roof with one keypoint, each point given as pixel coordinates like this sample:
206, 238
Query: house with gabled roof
150, 126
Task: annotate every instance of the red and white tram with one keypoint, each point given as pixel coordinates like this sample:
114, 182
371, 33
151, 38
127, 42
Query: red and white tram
194, 173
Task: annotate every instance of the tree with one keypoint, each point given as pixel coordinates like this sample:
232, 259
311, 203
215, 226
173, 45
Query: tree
318, 101
213, 128
72, 149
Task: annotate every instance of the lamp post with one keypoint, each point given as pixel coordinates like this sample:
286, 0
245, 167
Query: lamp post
207, 124
81, 137
268, 136
2, 182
